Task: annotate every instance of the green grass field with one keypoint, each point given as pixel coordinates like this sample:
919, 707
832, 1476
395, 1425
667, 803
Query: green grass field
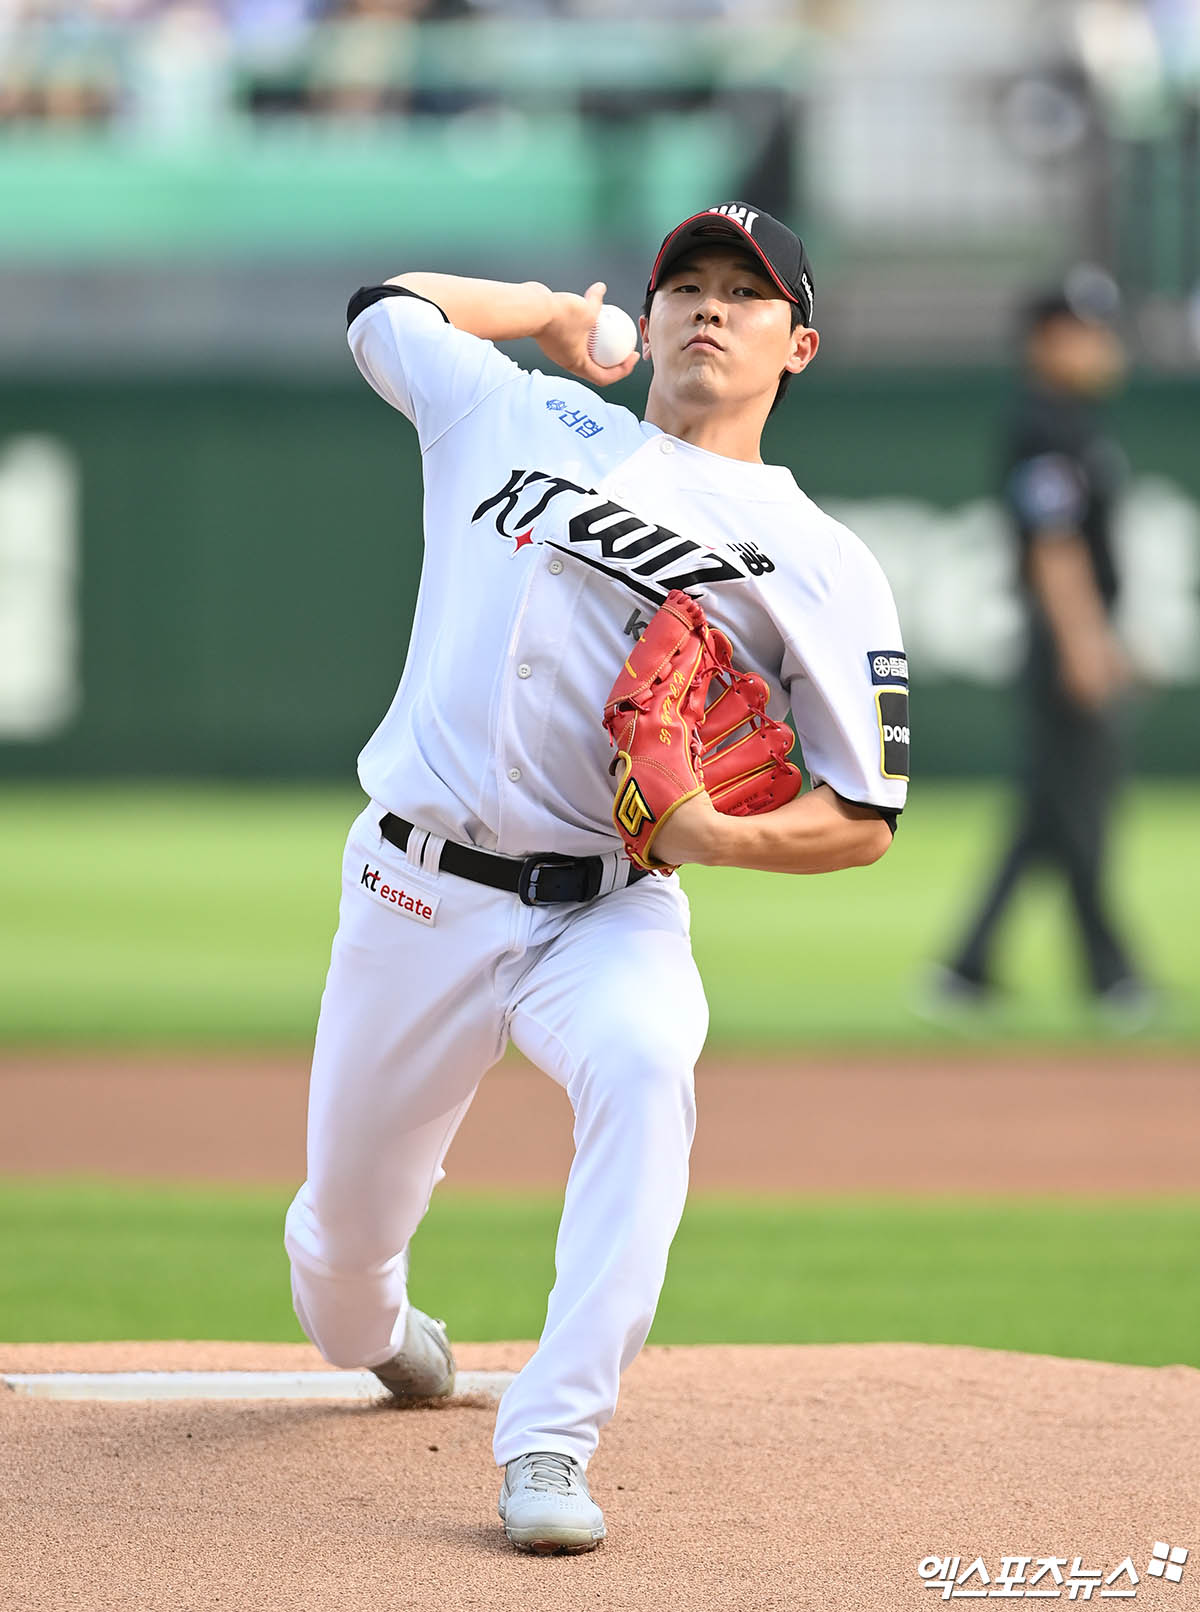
1094, 1279
203, 916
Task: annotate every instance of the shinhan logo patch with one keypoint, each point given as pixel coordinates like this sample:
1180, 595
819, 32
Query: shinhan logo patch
575, 419
422, 909
888, 666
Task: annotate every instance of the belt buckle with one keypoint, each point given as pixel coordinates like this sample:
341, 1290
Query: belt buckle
534, 867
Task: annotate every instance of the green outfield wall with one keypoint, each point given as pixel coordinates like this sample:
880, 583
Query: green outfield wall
215, 576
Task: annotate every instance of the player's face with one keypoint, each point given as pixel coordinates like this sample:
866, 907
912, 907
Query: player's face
1078, 357
720, 331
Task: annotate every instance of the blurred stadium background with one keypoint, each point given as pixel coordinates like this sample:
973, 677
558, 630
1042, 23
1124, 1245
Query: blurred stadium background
210, 529
207, 525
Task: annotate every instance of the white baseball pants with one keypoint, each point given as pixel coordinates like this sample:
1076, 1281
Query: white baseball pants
430, 976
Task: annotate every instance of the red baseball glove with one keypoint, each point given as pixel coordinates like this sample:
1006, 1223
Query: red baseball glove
673, 742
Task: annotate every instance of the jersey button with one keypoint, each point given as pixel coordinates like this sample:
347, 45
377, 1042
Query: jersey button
524, 671
555, 567
666, 446
514, 775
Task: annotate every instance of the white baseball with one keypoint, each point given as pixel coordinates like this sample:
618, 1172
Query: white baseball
612, 338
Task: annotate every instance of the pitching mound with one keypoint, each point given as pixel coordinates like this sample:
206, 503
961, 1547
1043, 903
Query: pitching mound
733, 1480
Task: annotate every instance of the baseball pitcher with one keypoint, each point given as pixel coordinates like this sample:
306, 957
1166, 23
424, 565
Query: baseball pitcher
616, 616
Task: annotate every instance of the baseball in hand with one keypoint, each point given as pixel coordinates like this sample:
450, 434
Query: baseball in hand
612, 338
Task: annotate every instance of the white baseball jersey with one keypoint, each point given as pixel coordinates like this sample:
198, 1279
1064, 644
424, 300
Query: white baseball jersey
555, 524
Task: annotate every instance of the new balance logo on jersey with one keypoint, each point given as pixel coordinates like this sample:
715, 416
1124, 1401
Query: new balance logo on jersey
423, 909
753, 558
648, 558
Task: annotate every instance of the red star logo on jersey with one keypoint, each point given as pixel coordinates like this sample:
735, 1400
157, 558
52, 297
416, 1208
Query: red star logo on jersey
522, 539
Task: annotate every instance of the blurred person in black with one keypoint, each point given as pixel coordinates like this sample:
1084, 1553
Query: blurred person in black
1062, 477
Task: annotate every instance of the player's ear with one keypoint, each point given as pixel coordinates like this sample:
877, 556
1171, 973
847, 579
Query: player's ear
644, 328
805, 342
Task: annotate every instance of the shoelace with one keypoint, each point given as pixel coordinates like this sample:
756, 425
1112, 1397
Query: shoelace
549, 1471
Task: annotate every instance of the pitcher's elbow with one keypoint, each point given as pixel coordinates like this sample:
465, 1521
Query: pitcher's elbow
874, 843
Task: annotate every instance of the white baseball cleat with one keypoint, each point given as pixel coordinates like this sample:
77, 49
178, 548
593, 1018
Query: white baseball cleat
545, 1505
424, 1367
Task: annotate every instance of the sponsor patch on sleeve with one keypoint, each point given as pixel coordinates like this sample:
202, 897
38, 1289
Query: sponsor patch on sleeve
888, 666
891, 705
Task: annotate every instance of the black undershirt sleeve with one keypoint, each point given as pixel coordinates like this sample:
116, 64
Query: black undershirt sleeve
890, 814
366, 296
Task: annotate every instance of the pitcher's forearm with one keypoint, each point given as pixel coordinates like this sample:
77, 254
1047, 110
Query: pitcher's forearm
815, 833
495, 310
818, 832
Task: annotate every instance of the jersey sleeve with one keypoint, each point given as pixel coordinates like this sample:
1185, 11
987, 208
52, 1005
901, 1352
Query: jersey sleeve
1048, 494
847, 677
418, 362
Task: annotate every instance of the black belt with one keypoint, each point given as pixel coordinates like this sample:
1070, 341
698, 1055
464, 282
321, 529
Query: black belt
540, 881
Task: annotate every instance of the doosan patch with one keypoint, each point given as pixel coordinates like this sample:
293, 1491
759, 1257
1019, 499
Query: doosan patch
888, 666
891, 705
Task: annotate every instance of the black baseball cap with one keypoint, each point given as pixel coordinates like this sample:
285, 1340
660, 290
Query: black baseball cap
1088, 294
782, 253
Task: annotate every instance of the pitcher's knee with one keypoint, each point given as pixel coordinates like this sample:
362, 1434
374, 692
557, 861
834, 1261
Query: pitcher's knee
338, 1238
664, 1037
640, 1078
355, 1254
349, 1315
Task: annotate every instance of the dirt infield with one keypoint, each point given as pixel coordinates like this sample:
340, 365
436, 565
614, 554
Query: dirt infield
810, 1479
1109, 1123
733, 1480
